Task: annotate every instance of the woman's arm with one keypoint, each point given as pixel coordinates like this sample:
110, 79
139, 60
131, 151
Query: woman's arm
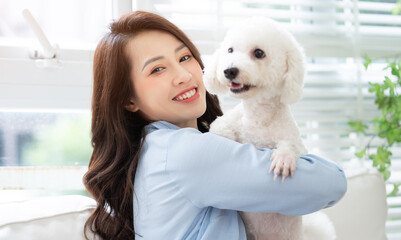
210, 170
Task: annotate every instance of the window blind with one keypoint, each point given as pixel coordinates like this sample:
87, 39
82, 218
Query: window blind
335, 35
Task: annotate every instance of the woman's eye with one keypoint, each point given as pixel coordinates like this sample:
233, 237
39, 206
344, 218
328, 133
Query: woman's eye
184, 58
158, 69
259, 53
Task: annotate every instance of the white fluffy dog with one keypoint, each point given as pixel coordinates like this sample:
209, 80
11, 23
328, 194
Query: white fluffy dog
262, 64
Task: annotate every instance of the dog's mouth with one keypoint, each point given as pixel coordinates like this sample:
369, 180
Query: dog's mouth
239, 87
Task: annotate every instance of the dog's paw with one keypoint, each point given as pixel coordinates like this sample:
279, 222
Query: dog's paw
282, 163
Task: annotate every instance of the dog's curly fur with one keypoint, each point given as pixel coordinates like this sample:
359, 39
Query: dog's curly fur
263, 65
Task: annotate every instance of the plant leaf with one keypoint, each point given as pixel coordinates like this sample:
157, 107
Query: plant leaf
360, 154
358, 126
396, 187
386, 174
366, 61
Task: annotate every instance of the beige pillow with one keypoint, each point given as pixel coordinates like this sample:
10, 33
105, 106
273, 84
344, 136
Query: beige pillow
362, 213
61, 217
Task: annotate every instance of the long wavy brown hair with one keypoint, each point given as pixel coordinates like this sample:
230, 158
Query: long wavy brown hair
118, 134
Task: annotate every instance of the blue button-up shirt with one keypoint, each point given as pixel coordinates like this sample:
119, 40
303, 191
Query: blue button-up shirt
190, 185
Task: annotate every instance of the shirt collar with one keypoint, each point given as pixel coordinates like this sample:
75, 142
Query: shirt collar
160, 125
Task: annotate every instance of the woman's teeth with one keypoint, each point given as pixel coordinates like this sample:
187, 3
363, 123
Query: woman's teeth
186, 95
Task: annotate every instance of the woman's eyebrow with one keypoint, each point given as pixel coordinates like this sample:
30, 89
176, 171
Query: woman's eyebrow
152, 60
161, 57
180, 47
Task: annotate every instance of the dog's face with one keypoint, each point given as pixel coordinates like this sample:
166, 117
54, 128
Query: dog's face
253, 61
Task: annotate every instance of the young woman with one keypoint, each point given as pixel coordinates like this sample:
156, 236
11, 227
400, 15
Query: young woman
155, 171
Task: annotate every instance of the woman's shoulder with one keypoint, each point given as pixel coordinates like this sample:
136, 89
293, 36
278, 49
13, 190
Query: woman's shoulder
181, 142
166, 133
161, 135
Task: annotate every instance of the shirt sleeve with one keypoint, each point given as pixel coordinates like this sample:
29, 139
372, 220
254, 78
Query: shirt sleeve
211, 170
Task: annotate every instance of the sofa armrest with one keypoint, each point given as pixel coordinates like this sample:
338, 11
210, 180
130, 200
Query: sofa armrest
61, 217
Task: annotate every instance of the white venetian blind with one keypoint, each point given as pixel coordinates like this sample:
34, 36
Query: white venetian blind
335, 34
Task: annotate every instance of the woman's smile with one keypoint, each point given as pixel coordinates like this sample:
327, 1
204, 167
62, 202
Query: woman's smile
187, 95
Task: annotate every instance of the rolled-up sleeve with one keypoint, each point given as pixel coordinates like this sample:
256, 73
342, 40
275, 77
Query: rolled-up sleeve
210, 170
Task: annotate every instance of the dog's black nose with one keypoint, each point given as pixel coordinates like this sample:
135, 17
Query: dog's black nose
231, 73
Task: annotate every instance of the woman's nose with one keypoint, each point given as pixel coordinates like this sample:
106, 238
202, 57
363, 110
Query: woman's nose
181, 76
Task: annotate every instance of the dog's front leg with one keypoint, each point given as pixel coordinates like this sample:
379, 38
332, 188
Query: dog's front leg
227, 125
285, 156
220, 127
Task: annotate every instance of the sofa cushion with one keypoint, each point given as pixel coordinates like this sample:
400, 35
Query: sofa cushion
61, 217
362, 213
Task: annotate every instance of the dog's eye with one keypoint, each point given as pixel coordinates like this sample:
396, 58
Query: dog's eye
259, 53
230, 50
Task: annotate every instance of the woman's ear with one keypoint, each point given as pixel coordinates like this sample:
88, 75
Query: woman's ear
294, 77
212, 84
131, 106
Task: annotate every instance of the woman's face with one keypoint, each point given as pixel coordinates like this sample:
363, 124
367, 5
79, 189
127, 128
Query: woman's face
167, 79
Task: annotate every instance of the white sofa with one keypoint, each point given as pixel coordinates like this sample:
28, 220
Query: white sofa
56, 218
360, 215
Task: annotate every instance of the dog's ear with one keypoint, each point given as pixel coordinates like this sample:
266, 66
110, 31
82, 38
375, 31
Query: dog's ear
294, 77
212, 84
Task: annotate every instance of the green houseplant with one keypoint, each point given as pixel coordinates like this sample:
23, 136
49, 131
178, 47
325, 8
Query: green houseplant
387, 125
